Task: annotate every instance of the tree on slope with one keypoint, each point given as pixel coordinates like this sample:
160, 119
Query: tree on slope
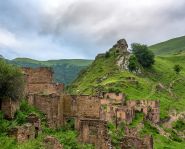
144, 56
11, 81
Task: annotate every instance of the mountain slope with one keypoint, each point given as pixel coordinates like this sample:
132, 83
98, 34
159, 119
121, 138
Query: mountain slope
172, 46
159, 83
65, 70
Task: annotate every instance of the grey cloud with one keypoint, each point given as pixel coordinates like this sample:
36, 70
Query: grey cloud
87, 27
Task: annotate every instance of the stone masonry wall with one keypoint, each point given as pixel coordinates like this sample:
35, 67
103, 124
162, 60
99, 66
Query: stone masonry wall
94, 131
23, 133
88, 106
52, 106
38, 75
40, 80
81, 106
150, 108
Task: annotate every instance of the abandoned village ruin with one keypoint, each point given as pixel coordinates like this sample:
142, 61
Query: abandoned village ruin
91, 113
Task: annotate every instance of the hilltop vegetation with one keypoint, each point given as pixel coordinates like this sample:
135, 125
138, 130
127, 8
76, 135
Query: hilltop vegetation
170, 47
65, 71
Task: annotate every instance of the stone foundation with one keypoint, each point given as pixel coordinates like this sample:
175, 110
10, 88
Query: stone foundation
23, 133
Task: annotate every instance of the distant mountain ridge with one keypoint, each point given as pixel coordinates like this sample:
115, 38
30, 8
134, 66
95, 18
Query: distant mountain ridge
175, 46
65, 70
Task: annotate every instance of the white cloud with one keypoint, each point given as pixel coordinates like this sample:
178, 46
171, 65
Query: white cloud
7, 38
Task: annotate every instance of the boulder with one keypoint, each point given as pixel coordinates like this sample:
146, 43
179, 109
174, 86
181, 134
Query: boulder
52, 143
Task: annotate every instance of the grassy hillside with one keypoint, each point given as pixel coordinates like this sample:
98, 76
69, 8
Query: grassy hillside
104, 74
172, 46
65, 70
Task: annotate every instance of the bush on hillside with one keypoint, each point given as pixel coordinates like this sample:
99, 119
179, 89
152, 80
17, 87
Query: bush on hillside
132, 66
11, 81
107, 54
144, 56
177, 69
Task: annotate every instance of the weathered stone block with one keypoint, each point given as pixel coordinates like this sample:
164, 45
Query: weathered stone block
52, 143
23, 133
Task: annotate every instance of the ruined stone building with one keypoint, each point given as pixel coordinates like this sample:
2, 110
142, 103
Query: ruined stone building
150, 108
40, 80
90, 113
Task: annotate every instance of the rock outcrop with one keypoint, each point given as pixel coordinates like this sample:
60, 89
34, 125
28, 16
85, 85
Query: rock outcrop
121, 48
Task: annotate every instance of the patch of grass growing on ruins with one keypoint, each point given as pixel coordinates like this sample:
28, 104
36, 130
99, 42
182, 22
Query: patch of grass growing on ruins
137, 120
69, 138
24, 111
66, 135
116, 134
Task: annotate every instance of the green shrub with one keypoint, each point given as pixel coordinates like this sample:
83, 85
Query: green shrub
132, 66
179, 125
144, 56
11, 81
175, 137
107, 54
177, 68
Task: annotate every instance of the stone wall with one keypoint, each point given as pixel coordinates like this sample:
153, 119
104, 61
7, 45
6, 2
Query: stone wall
38, 75
117, 113
40, 80
125, 114
23, 133
150, 108
51, 105
94, 131
70, 105
88, 106
46, 88
81, 106
9, 107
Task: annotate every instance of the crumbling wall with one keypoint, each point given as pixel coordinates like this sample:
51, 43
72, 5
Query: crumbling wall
38, 75
88, 106
9, 107
81, 106
125, 114
94, 131
150, 108
40, 80
52, 106
70, 105
23, 133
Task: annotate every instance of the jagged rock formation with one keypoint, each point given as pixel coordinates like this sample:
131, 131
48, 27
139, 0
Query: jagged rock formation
121, 48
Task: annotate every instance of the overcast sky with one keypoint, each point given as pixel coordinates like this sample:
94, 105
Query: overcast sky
58, 29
